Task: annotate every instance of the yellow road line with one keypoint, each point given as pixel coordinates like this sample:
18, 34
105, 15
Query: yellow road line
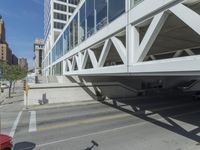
81, 122
106, 118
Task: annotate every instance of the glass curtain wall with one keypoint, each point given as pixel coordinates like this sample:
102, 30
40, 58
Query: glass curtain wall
135, 2
90, 17
116, 8
57, 51
94, 15
66, 41
75, 31
57, 69
101, 7
82, 29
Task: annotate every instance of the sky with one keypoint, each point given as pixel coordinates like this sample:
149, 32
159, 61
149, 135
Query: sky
24, 23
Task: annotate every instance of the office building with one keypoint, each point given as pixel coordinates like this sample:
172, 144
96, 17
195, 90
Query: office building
2, 31
5, 52
23, 63
14, 59
56, 14
38, 55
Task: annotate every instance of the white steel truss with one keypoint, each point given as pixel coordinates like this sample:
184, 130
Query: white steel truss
83, 57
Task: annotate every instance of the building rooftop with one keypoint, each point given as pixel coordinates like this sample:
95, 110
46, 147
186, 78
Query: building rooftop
39, 41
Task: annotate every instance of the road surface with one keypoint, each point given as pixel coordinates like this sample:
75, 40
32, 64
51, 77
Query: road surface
148, 123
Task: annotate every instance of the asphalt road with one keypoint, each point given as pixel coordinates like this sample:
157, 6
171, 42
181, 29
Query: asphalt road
149, 123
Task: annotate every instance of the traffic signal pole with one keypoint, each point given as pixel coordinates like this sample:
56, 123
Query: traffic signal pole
26, 89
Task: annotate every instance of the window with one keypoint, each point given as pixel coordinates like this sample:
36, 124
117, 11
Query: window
66, 41
71, 9
57, 51
116, 8
101, 13
82, 23
74, 2
40, 58
57, 69
71, 36
135, 2
60, 7
60, 16
62, 0
58, 25
90, 17
75, 30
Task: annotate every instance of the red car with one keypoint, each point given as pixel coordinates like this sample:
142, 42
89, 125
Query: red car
5, 142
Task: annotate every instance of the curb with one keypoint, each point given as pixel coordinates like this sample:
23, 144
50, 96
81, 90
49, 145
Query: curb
1, 102
60, 105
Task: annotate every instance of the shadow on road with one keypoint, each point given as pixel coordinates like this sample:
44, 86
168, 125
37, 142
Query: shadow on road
174, 111
24, 146
94, 144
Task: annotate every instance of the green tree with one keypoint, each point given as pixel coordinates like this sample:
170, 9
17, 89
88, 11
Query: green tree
12, 73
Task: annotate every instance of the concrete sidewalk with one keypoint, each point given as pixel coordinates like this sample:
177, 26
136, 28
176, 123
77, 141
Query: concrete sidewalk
15, 97
3, 96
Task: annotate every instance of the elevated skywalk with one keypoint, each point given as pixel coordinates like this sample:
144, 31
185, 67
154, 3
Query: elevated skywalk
150, 38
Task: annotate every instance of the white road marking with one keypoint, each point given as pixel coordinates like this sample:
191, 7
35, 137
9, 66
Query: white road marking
14, 127
91, 134
32, 123
107, 131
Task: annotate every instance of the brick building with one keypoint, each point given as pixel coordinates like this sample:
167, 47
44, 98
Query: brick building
5, 51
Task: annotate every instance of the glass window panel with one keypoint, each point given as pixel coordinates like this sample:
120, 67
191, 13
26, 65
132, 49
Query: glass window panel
66, 41
101, 13
71, 36
82, 23
75, 30
135, 2
90, 17
116, 8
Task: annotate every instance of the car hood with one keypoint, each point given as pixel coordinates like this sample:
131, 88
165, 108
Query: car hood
4, 138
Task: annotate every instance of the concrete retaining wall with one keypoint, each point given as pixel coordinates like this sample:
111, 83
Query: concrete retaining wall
41, 94
56, 93
77, 88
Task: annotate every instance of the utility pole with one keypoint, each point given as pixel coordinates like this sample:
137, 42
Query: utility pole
26, 89
0, 109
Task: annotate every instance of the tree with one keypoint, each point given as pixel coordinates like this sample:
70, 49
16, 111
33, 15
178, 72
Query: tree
2, 66
12, 73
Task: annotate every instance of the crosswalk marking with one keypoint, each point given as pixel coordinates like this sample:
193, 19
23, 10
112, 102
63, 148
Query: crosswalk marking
12, 132
32, 123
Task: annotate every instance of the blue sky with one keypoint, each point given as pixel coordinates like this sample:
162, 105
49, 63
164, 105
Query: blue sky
24, 23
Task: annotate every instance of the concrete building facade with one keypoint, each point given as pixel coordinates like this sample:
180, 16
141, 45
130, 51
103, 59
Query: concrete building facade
5, 53
38, 55
2, 31
14, 59
56, 14
23, 63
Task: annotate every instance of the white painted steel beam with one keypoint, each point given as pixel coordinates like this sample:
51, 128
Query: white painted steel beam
188, 16
120, 48
84, 61
93, 58
180, 64
69, 65
150, 36
77, 61
189, 52
178, 53
104, 53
